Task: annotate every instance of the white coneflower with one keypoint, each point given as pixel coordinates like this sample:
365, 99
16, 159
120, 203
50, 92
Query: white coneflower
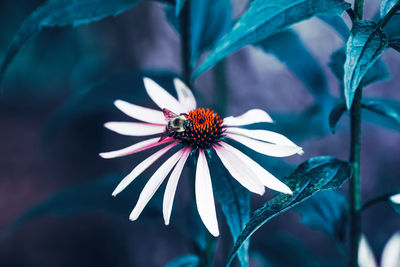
181, 124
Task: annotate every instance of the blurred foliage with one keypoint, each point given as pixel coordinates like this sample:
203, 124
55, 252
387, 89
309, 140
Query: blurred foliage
184, 261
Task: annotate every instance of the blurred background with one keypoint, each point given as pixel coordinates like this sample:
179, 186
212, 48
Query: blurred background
59, 90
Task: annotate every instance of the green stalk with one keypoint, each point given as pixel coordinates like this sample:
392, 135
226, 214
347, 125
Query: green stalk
358, 8
220, 88
184, 22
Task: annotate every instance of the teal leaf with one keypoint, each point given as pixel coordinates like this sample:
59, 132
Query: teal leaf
381, 109
378, 71
337, 23
178, 7
184, 261
335, 115
235, 204
326, 211
265, 18
388, 122
395, 44
310, 177
289, 49
385, 6
59, 13
365, 45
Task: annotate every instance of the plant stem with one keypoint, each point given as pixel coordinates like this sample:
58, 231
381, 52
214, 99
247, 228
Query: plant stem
184, 22
387, 17
220, 88
358, 8
355, 185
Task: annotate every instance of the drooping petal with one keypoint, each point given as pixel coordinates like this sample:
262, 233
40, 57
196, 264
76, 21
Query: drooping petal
172, 184
141, 146
391, 252
236, 167
395, 198
268, 149
141, 168
366, 257
140, 113
263, 135
204, 195
249, 117
161, 97
185, 95
262, 174
154, 183
134, 128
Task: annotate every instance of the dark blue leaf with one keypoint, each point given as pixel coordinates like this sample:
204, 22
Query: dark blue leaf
395, 44
289, 49
184, 261
365, 45
378, 71
235, 204
338, 24
326, 211
312, 176
178, 6
335, 115
374, 117
265, 18
381, 109
58, 13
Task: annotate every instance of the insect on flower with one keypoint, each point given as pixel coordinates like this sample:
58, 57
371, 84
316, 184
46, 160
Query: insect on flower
196, 130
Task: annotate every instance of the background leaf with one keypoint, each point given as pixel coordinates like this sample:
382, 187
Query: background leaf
178, 6
310, 177
337, 23
385, 121
395, 44
385, 6
263, 19
59, 13
184, 261
335, 115
381, 109
365, 45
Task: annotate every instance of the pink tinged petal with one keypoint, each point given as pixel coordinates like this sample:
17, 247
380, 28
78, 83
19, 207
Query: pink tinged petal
268, 149
395, 199
366, 257
154, 183
141, 168
172, 184
204, 195
250, 117
141, 146
140, 113
262, 174
161, 97
239, 170
391, 252
262, 135
134, 128
185, 96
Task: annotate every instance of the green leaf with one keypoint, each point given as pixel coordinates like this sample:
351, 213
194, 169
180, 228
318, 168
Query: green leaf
381, 109
289, 49
326, 211
178, 6
184, 261
365, 45
378, 71
265, 18
395, 44
59, 13
235, 204
385, 121
310, 177
386, 5
335, 115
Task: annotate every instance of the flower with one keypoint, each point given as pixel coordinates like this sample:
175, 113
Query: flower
193, 129
395, 199
390, 254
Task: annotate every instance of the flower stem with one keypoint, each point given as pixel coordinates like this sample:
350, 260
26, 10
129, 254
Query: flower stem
220, 88
377, 200
184, 22
355, 185
358, 8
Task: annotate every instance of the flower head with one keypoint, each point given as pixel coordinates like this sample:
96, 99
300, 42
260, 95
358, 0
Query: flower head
181, 124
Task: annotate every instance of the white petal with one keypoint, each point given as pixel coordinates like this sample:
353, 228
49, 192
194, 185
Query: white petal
268, 149
185, 96
161, 97
141, 168
391, 252
250, 117
172, 184
395, 199
238, 169
141, 146
134, 128
154, 183
365, 255
262, 174
140, 113
204, 195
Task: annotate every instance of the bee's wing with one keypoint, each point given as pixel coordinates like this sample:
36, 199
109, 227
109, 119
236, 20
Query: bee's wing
168, 114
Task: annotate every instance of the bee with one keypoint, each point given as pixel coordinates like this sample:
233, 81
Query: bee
176, 126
